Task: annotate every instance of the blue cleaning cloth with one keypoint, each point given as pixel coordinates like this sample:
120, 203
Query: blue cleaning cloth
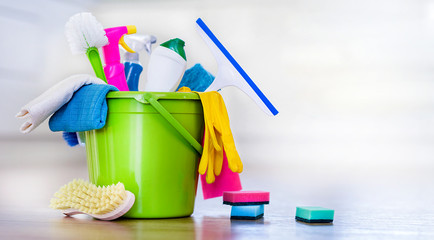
70, 138
196, 78
87, 110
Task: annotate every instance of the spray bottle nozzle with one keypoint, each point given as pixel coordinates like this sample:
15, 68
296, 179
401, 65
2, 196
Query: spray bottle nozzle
138, 42
130, 30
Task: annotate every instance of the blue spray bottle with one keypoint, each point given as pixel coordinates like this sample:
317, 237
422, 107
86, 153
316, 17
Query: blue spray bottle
133, 68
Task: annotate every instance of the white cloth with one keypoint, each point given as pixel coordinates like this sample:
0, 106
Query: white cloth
39, 109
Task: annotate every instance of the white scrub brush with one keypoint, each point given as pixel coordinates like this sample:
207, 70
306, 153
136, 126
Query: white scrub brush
104, 203
85, 35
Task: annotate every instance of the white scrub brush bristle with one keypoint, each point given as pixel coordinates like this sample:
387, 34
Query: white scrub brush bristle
105, 203
84, 31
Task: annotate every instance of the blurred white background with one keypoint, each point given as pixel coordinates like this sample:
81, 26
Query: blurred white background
353, 80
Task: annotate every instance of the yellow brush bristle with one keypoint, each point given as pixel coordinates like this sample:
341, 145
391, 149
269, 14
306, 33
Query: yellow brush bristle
88, 198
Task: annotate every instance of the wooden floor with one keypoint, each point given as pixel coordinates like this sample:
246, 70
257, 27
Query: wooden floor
369, 203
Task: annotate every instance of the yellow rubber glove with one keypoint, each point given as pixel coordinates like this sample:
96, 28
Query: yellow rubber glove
234, 160
218, 138
218, 157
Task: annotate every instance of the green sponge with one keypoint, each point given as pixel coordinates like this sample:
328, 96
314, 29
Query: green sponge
314, 214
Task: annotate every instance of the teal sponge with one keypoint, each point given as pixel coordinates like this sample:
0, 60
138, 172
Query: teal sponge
314, 214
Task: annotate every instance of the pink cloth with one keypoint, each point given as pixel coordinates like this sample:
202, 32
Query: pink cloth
226, 181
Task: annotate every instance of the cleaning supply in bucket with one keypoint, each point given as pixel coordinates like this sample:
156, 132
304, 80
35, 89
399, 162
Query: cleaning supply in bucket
230, 72
39, 109
82, 197
166, 67
87, 110
218, 138
114, 70
138, 42
196, 78
85, 35
133, 68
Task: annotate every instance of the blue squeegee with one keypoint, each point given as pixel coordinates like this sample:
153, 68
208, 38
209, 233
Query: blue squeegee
230, 72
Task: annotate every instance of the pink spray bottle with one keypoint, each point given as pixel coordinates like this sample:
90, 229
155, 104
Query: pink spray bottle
114, 69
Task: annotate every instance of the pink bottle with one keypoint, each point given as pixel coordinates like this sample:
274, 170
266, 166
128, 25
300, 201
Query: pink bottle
114, 69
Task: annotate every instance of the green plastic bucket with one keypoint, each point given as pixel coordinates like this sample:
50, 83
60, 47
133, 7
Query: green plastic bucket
150, 144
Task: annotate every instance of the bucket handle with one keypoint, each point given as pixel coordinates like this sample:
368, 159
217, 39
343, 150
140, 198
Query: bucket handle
153, 100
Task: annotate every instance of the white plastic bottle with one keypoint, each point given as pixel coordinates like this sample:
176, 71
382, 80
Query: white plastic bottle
166, 67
